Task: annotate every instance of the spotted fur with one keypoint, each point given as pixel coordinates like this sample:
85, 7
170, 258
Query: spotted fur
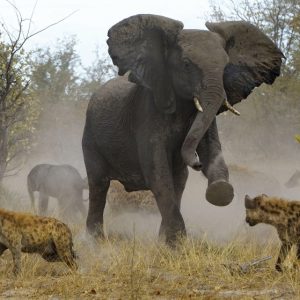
284, 215
22, 232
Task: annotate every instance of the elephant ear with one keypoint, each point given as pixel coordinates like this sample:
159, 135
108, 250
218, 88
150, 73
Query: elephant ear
139, 44
253, 58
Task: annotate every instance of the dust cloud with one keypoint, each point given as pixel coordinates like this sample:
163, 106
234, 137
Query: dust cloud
259, 162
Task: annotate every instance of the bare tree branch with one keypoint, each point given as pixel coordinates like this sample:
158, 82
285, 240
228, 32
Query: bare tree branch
51, 25
14, 84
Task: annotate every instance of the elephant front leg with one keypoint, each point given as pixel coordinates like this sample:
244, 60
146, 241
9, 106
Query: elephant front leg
172, 224
219, 191
160, 180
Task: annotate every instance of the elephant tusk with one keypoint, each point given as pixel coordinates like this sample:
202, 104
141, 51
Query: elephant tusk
231, 108
197, 104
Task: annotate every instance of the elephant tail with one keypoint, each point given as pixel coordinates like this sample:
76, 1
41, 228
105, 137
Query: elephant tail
31, 194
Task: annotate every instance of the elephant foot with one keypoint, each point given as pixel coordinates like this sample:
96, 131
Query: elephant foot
171, 235
96, 231
174, 239
219, 193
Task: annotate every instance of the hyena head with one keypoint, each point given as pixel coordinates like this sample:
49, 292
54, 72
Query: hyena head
254, 212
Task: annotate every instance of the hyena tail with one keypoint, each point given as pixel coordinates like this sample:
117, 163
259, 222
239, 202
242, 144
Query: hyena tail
31, 194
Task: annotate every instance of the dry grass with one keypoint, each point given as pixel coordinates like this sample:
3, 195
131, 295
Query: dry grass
136, 268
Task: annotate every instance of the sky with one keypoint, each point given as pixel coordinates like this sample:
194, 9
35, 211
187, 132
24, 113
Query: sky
92, 18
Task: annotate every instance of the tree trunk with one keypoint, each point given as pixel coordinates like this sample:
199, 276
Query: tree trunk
3, 149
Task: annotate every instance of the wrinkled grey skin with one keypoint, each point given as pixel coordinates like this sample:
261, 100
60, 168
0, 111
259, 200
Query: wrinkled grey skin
294, 180
144, 130
62, 182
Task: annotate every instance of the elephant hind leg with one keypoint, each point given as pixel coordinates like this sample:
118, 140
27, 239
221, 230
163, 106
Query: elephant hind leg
43, 203
65, 208
98, 192
81, 208
96, 169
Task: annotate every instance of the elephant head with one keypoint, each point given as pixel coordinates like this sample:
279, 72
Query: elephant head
212, 68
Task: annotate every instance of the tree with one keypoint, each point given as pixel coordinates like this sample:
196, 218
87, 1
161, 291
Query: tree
95, 75
18, 109
54, 75
279, 19
273, 107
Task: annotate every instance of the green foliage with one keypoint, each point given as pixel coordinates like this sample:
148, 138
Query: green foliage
95, 75
271, 108
56, 75
19, 110
54, 72
279, 19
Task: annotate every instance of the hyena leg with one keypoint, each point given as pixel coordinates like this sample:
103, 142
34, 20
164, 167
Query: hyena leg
284, 250
64, 250
16, 253
50, 254
2, 248
298, 250
15, 249
13, 243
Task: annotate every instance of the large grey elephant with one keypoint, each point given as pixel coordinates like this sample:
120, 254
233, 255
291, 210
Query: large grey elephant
62, 182
145, 129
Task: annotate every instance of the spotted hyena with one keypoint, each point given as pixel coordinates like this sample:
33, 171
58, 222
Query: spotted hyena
284, 215
23, 232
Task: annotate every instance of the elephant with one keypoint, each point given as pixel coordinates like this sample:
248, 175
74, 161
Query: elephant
145, 127
62, 182
294, 180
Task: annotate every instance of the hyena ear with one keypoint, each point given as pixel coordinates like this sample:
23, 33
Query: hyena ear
250, 203
265, 195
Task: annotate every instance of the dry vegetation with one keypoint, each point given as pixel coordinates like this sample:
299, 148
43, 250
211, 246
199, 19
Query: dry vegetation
144, 269
137, 266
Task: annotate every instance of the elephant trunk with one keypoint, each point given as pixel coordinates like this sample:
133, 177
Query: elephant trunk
211, 98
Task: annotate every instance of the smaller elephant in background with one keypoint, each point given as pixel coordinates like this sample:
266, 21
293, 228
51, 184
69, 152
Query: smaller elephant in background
294, 180
62, 182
